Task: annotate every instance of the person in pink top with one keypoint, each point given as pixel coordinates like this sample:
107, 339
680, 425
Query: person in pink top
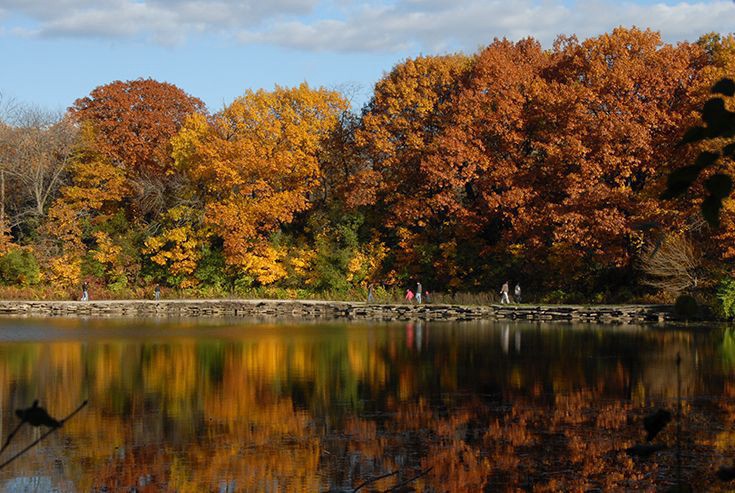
409, 295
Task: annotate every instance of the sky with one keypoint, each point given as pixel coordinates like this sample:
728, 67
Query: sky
55, 51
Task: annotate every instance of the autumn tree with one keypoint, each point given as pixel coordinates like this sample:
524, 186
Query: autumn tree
254, 165
410, 108
429, 136
133, 123
93, 195
615, 109
553, 157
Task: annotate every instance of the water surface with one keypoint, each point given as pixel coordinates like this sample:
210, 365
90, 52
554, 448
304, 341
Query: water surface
217, 405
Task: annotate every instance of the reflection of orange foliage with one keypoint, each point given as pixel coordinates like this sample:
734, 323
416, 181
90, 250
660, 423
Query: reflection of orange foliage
194, 415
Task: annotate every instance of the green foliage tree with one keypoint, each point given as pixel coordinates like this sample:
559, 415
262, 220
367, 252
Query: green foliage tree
19, 267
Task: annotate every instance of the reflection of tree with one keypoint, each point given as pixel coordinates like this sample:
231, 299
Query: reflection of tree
310, 410
728, 349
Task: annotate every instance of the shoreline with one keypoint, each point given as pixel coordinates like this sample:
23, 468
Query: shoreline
336, 310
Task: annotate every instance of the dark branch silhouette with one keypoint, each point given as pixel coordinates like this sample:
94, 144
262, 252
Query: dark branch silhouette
410, 480
372, 480
36, 416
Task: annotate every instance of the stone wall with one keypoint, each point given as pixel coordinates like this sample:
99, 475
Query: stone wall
334, 310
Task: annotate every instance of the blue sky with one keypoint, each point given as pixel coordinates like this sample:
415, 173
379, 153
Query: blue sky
54, 51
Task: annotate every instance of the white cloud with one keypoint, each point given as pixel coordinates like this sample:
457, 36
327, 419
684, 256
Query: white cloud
374, 26
163, 20
432, 25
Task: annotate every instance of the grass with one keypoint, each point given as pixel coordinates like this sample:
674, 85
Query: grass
381, 295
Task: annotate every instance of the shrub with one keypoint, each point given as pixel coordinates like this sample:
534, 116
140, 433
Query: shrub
19, 267
686, 307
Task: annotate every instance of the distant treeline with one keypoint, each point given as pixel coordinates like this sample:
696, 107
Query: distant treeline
543, 167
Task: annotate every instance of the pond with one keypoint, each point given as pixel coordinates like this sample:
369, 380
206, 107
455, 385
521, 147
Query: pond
228, 405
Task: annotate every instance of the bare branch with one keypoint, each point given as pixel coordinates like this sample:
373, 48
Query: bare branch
673, 264
36, 147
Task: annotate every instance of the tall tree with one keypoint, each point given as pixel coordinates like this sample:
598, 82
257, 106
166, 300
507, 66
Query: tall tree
255, 164
629, 97
411, 107
94, 193
133, 124
553, 157
36, 147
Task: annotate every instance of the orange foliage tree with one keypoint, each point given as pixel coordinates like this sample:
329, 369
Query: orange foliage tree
411, 107
133, 123
550, 160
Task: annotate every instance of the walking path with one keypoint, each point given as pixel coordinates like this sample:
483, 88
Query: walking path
319, 309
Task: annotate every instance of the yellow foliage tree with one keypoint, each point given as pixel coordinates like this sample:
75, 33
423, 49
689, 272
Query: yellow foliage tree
179, 246
255, 164
6, 239
96, 189
366, 263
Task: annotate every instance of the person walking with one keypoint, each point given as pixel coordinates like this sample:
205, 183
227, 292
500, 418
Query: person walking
157, 292
517, 293
409, 295
504, 293
419, 290
85, 291
371, 294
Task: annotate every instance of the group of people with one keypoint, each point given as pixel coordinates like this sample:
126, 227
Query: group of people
505, 289
417, 295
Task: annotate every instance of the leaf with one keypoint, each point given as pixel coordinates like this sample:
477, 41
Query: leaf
711, 210
680, 180
725, 87
719, 185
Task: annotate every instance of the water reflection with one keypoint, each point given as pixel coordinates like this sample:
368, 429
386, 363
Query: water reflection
220, 406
